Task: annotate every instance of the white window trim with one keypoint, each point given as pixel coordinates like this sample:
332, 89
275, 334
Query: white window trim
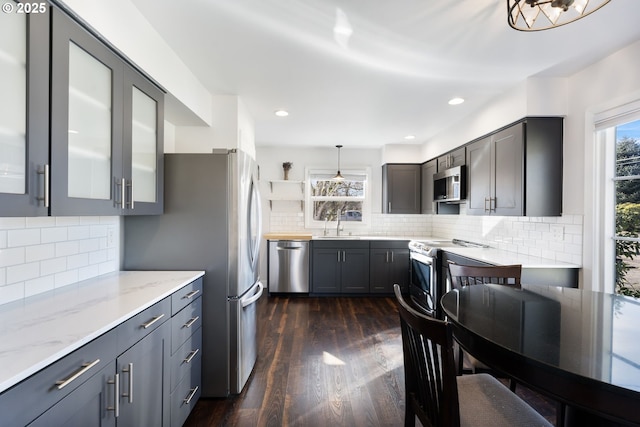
603, 208
346, 225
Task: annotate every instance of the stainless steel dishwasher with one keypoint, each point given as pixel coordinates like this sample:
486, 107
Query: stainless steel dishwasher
288, 266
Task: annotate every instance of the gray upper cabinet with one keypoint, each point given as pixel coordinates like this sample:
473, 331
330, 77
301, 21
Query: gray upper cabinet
517, 170
428, 170
86, 122
83, 131
24, 122
143, 136
452, 159
401, 188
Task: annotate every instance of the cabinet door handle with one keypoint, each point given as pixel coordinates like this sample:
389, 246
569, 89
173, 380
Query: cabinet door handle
83, 369
492, 204
192, 393
391, 256
152, 321
116, 395
344, 256
387, 256
191, 322
47, 186
129, 393
130, 186
389, 207
191, 356
192, 294
487, 199
338, 252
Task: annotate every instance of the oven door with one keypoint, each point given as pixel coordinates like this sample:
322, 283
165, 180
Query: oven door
422, 287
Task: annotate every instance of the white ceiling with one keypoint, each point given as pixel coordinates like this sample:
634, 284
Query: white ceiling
394, 75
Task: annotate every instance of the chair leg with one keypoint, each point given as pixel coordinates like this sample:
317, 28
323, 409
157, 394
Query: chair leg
512, 385
560, 414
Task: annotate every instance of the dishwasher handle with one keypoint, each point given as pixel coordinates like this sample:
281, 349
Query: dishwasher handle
290, 246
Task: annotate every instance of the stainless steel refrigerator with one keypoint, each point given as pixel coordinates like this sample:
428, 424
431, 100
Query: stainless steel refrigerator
211, 222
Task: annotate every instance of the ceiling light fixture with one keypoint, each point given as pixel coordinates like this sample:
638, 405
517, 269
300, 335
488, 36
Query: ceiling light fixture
456, 101
338, 176
281, 113
410, 137
536, 15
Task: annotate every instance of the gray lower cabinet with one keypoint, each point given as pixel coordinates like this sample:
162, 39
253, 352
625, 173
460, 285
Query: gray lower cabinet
186, 352
340, 267
144, 372
401, 188
518, 170
389, 264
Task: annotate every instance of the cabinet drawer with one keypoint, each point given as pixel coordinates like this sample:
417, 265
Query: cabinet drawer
185, 396
25, 401
185, 323
186, 357
185, 296
140, 325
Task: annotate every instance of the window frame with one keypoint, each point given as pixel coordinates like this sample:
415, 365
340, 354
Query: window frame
605, 180
346, 225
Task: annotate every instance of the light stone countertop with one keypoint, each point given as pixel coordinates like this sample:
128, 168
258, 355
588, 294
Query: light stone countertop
44, 328
502, 257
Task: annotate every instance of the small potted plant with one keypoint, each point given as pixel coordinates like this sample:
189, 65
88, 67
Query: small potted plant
286, 166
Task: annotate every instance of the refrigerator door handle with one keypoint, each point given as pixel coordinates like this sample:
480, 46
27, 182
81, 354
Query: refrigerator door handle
255, 297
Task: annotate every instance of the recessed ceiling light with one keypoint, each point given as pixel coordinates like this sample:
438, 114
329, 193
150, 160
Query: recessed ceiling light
456, 101
410, 137
281, 113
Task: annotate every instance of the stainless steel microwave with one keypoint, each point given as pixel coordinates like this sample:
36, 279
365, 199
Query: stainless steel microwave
450, 185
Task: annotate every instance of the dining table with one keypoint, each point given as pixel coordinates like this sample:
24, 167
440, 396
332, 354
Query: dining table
579, 347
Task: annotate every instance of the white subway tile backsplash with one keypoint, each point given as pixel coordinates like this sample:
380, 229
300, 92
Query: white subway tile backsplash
23, 237
38, 254
12, 256
22, 272
38, 286
54, 234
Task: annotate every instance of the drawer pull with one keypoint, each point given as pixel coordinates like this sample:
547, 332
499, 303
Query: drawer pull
192, 294
116, 395
192, 393
191, 356
152, 321
83, 369
191, 322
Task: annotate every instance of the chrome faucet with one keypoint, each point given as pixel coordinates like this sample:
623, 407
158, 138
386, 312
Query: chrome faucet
326, 219
338, 227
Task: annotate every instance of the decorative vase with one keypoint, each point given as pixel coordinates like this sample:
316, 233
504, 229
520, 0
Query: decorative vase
286, 174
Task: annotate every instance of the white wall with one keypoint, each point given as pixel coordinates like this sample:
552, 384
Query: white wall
610, 82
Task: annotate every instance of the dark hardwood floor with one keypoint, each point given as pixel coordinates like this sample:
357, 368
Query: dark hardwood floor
324, 362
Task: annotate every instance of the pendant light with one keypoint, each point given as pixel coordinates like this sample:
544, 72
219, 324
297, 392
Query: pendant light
536, 15
338, 176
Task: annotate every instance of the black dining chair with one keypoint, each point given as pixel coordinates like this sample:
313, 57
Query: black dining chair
466, 275
440, 398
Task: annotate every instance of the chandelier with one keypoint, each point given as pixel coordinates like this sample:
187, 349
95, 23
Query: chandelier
536, 15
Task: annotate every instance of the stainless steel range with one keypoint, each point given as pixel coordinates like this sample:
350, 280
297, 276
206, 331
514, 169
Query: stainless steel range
428, 281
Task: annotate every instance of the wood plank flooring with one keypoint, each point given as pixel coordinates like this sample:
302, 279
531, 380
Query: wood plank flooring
323, 362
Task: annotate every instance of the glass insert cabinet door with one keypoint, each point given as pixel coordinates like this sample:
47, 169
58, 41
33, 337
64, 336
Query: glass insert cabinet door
24, 88
143, 150
86, 122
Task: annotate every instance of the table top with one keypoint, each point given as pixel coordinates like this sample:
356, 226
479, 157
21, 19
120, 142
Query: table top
580, 347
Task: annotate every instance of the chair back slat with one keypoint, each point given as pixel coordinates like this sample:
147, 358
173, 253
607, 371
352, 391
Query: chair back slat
430, 372
466, 275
